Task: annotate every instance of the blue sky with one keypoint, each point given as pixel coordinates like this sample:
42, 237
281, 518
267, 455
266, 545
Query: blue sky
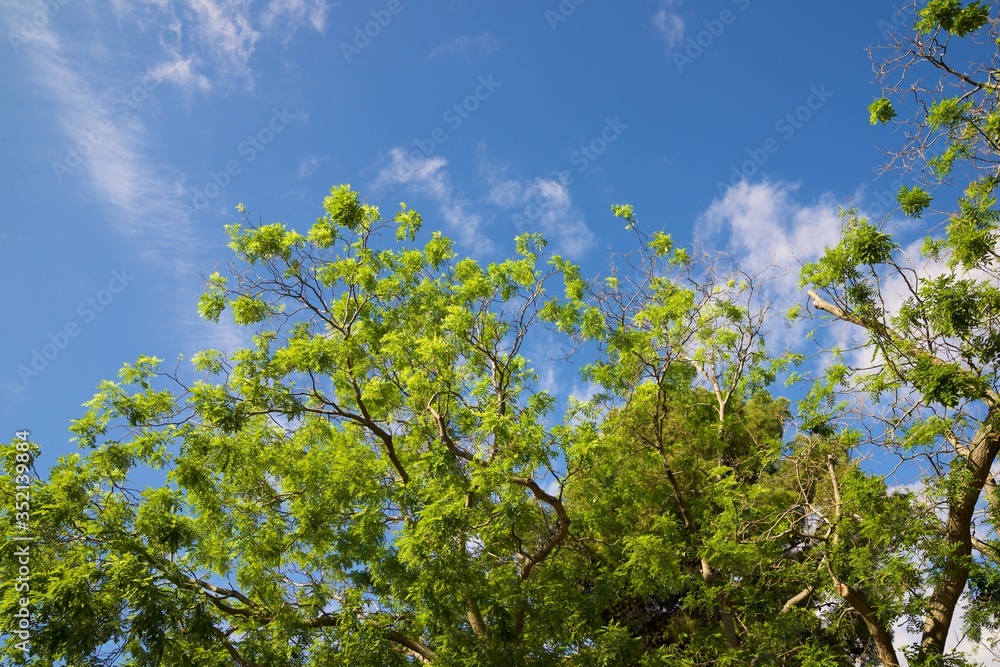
132, 129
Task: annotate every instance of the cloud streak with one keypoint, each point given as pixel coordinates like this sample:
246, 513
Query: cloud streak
466, 46
545, 205
98, 109
429, 175
669, 24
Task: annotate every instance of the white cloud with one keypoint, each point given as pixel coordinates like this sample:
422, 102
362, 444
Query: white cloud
429, 175
958, 641
114, 161
668, 23
294, 13
771, 235
210, 43
545, 205
762, 226
542, 204
181, 73
466, 46
143, 202
310, 165
226, 32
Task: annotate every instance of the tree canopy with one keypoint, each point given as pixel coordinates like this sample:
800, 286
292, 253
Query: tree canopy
380, 476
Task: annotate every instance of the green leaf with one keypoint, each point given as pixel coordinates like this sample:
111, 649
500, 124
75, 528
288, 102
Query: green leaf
881, 111
913, 200
953, 17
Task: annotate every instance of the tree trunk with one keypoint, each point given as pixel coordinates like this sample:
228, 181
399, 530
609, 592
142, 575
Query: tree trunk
958, 535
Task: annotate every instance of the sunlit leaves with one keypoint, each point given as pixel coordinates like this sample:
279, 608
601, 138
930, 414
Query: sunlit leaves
409, 222
264, 242
952, 16
944, 383
344, 208
947, 112
625, 212
913, 200
249, 310
881, 111
213, 301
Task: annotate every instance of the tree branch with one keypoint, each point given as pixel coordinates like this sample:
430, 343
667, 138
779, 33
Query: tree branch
798, 599
883, 642
415, 648
907, 348
562, 524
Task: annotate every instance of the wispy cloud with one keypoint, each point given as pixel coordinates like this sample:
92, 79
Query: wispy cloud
294, 13
467, 46
227, 33
180, 72
429, 175
100, 107
310, 165
668, 23
545, 205
541, 204
115, 166
209, 44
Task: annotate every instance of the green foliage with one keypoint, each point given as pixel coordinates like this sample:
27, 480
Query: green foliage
947, 113
972, 231
344, 208
379, 478
378, 474
881, 111
861, 249
922, 375
913, 200
943, 383
952, 16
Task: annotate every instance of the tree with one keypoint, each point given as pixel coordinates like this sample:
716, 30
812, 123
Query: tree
377, 479
362, 482
931, 392
715, 537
